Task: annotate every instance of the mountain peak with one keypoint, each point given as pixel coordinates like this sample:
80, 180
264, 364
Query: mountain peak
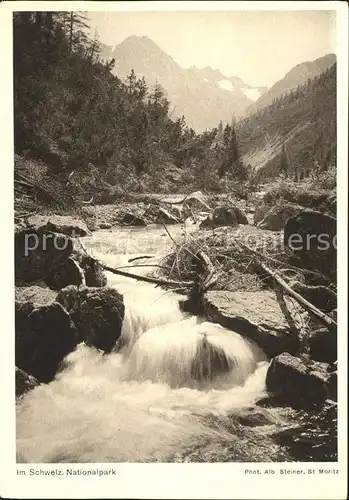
141, 42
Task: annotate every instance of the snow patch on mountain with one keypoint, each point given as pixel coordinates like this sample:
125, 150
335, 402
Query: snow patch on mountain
226, 85
252, 93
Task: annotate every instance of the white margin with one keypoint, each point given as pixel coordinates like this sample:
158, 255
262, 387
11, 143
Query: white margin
224, 480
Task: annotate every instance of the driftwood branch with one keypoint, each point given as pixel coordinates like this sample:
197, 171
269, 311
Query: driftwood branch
301, 300
308, 306
147, 279
140, 257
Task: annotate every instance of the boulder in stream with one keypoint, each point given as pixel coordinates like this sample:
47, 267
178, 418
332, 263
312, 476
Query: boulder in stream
24, 382
256, 315
93, 271
45, 334
98, 314
69, 273
323, 345
275, 218
39, 253
298, 381
312, 238
79, 269
225, 216
64, 224
254, 417
34, 296
132, 219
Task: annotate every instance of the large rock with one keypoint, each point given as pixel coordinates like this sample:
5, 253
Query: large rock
298, 381
29, 298
38, 254
225, 216
312, 238
132, 219
44, 336
69, 273
35, 295
63, 224
93, 271
306, 198
323, 345
97, 313
320, 296
78, 270
275, 218
255, 315
24, 382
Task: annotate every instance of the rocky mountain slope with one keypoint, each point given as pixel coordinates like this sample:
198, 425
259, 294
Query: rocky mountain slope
204, 96
302, 122
295, 77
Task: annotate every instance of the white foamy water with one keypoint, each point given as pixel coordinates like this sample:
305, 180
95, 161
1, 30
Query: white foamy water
153, 397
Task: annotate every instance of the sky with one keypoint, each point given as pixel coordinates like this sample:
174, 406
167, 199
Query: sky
259, 47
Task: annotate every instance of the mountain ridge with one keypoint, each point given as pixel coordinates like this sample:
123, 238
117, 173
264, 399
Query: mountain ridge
204, 96
303, 121
298, 75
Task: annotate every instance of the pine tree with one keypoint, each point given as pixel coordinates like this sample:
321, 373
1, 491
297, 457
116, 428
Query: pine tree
284, 167
231, 163
76, 23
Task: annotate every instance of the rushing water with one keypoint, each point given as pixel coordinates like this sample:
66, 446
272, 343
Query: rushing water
170, 392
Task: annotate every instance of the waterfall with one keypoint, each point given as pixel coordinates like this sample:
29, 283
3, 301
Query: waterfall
152, 397
190, 354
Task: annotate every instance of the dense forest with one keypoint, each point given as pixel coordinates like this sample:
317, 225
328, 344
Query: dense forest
94, 133
83, 133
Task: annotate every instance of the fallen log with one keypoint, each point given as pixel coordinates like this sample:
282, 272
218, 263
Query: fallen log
140, 257
308, 306
147, 279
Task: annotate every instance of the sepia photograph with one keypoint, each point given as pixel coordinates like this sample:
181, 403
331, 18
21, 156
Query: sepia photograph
175, 179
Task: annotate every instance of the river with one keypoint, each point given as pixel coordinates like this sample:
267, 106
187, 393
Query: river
146, 402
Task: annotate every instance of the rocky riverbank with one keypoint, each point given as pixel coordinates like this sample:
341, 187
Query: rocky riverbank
241, 296
62, 298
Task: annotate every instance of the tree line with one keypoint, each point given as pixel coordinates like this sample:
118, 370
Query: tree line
73, 113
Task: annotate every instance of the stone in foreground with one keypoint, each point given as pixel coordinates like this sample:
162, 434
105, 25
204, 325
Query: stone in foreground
323, 345
38, 254
24, 382
98, 314
44, 336
255, 315
63, 224
276, 217
312, 238
298, 380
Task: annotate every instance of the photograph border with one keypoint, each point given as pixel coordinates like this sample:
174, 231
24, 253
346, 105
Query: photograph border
140, 480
